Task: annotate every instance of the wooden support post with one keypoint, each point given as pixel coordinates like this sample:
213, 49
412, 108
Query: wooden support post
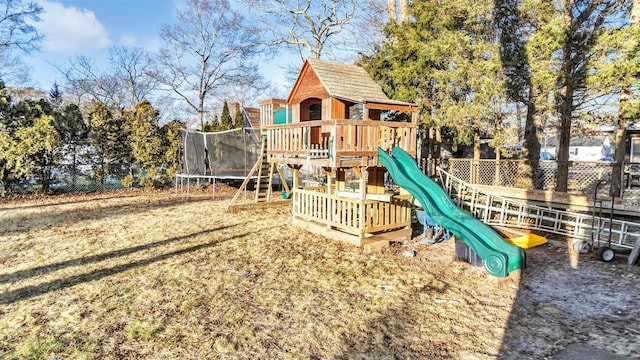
296, 177
283, 180
329, 179
270, 189
362, 216
376, 180
363, 182
329, 203
341, 182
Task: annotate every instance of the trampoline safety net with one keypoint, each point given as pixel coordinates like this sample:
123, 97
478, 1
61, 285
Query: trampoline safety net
223, 154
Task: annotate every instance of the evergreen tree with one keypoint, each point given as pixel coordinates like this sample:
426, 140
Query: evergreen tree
55, 95
36, 150
615, 69
226, 122
108, 140
212, 126
446, 59
171, 146
6, 140
145, 139
72, 128
239, 119
529, 43
580, 29
144, 134
30, 143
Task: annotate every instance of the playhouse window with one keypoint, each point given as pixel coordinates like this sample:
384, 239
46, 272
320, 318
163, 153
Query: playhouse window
395, 115
315, 112
355, 112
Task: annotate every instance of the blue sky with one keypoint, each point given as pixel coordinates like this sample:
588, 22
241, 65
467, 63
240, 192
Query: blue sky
91, 27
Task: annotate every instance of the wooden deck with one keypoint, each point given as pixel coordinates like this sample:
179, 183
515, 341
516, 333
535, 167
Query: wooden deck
338, 142
364, 223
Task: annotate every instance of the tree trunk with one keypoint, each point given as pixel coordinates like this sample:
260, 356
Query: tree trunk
565, 104
564, 136
476, 143
620, 150
404, 10
200, 114
528, 170
475, 164
391, 11
566, 111
435, 142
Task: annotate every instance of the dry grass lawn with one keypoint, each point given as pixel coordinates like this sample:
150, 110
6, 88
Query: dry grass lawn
129, 275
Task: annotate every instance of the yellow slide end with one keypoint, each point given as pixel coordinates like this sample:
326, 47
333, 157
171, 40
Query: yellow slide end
527, 241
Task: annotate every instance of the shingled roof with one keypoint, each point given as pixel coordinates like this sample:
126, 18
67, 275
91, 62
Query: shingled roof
349, 82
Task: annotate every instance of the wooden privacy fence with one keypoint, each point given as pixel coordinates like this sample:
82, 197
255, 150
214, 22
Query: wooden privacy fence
353, 216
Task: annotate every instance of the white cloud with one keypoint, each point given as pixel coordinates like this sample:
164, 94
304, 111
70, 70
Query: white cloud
128, 40
69, 29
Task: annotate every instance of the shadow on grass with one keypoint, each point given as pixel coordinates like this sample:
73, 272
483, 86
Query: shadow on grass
389, 336
69, 200
59, 284
60, 218
37, 271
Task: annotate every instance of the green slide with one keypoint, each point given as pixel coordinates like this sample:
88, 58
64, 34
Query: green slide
498, 256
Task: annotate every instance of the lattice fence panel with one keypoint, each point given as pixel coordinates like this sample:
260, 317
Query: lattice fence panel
508, 170
583, 176
485, 172
460, 168
546, 176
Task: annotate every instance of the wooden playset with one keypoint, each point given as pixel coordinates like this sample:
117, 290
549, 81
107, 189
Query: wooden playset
334, 119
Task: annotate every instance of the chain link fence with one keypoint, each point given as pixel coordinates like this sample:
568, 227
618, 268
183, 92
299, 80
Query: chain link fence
78, 178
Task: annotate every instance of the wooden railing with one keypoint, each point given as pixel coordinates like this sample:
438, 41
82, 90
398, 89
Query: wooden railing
496, 210
334, 139
354, 216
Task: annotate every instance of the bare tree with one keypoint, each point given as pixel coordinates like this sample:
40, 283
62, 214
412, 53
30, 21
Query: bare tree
84, 79
12, 68
365, 31
207, 49
125, 83
16, 25
17, 32
133, 67
307, 25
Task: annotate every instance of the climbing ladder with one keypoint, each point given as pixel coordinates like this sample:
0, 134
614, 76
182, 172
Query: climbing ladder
264, 172
496, 210
264, 180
